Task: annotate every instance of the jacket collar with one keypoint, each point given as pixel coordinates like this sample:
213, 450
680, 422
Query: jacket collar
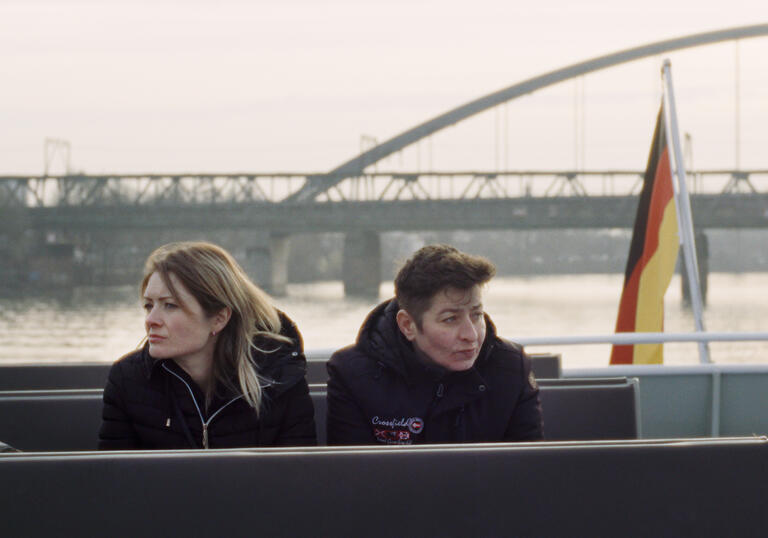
150, 365
380, 338
281, 368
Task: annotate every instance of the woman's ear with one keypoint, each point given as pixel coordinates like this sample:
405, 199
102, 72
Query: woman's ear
221, 318
406, 324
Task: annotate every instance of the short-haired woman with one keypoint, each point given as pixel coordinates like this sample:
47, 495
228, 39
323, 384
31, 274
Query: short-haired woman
220, 368
428, 366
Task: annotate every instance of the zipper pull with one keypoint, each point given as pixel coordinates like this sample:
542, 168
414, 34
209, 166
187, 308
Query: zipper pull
459, 417
205, 435
440, 390
168, 422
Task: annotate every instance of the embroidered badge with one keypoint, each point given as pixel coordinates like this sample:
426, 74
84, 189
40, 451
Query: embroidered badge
415, 425
396, 431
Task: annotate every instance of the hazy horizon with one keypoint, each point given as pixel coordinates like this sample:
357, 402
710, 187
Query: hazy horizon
293, 85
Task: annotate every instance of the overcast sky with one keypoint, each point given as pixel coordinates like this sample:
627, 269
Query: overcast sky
291, 85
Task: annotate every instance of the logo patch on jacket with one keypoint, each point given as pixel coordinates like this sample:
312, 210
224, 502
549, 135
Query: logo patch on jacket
396, 430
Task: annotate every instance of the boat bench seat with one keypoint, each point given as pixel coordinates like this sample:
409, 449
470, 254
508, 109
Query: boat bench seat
53, 376
70, 419
94, 375
544, 366
714, 487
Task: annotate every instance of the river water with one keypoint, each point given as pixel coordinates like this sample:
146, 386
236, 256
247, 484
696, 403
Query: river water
101, 324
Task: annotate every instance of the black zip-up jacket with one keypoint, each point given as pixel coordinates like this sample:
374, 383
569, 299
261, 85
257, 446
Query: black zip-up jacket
379, 392
146, 400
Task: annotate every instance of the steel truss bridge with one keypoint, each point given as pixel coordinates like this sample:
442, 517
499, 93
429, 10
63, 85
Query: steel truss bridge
376, 202
352, 199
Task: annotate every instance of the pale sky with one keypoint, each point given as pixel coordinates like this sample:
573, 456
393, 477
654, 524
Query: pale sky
291, 85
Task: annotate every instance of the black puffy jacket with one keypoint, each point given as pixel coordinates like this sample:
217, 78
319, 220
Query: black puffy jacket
145, 401
380, 393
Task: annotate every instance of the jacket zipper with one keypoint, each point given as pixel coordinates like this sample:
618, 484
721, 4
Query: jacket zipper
199, 413
438, 395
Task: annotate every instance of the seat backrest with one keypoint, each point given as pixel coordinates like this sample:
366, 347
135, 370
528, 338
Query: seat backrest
573, 409
56, 420
592, 410
321, 409
693, 488
94, 375
316, 371
53, 376
62, 420
546, 365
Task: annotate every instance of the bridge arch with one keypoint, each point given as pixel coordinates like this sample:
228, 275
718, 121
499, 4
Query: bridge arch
356, 165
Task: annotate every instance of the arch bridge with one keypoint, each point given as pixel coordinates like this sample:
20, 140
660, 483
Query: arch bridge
285, 203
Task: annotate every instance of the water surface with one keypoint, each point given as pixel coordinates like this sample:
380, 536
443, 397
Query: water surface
101, 324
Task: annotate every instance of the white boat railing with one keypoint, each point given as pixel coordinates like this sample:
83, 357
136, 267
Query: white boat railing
641, 338
743, 397
322, 354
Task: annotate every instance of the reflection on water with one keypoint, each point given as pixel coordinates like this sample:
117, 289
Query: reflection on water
101, 324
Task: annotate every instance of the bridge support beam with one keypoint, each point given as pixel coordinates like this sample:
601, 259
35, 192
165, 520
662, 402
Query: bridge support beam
267, 263
702, 256
361, 265
279, 248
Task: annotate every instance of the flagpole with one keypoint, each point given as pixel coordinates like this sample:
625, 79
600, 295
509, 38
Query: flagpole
687, 239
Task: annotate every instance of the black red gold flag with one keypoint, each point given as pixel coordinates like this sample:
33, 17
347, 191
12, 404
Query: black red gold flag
652, 257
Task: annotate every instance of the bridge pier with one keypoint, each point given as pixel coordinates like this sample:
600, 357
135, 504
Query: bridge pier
361, 265
279, 246
702, 256
267, 263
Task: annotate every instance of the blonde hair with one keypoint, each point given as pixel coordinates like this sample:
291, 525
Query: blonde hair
217, 281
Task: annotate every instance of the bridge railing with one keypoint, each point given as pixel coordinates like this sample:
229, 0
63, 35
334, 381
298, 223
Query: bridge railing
149, 189
463, 185
275, 188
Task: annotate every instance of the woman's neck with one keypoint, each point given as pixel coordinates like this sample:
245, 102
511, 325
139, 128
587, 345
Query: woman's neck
200, 369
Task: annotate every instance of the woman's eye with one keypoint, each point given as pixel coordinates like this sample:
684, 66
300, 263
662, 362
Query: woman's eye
450, 319
170, 306
147, 306
477, 315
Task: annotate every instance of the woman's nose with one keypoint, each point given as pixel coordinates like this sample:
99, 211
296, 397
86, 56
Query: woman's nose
152, 317
468, 330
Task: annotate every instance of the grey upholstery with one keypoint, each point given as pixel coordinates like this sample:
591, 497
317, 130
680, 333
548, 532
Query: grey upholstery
94, 375
630, 488
590, 409
50, 420
544, 365
53, 376
70, 419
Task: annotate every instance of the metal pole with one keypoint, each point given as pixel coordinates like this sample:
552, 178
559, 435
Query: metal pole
506, 136
737, 107
716, 405
583, 124
623, 339
684, 206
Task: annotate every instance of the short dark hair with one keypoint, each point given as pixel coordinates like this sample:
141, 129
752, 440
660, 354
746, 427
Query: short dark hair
434, 268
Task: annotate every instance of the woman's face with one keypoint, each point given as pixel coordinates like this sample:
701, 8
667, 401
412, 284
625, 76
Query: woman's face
177, 327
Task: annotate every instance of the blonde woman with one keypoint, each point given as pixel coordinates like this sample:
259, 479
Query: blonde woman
220, 368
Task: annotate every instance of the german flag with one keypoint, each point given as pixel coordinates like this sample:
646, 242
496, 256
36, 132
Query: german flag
652, 257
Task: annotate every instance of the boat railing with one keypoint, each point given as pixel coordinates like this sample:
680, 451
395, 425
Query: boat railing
642, 338
695, 400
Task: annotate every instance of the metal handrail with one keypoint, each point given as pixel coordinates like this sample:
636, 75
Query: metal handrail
642, 338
